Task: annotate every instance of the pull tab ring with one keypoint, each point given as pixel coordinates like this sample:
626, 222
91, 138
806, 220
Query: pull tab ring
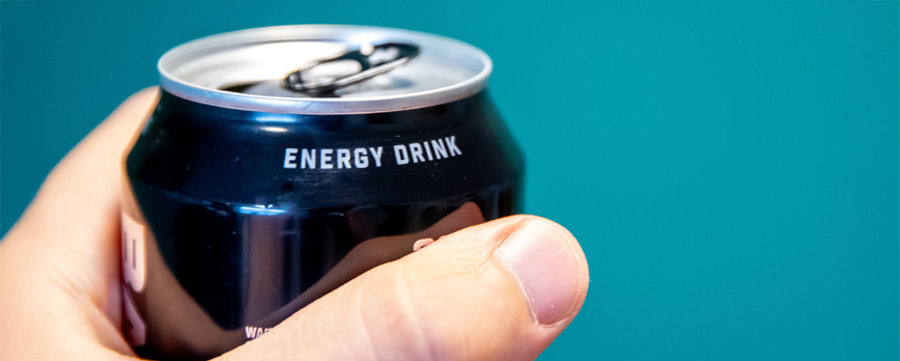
372, 60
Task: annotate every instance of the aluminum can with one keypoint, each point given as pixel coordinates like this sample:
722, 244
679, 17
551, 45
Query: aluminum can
282, 162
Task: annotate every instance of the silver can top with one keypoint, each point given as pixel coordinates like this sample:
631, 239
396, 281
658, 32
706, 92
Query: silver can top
324, 69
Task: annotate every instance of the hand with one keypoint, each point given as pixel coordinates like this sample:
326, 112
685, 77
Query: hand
502, 290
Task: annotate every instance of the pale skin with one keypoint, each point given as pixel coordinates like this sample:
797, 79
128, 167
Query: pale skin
469, 295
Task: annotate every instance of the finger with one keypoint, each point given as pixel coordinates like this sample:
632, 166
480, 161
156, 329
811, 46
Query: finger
59, 264
79, 200
502, 290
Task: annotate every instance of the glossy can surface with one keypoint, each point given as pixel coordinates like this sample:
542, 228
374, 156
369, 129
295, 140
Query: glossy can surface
234, 218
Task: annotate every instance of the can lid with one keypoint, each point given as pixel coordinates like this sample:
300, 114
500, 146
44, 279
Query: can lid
324, 69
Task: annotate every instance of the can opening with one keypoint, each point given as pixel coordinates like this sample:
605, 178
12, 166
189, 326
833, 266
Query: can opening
321, 78
324, 69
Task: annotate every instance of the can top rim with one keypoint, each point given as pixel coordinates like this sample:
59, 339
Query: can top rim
301, 105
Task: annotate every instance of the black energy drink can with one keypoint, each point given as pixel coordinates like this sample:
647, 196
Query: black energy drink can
282, 162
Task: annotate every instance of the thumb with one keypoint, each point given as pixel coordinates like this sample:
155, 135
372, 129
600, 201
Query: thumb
502, 290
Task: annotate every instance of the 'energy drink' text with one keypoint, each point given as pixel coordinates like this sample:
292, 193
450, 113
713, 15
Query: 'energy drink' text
365, 157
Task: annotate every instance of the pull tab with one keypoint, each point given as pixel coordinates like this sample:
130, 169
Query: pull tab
354, 66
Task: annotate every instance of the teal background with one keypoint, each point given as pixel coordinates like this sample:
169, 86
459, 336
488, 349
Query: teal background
730, 167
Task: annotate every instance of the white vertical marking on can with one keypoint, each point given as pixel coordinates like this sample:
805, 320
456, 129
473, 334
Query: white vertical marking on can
136, 329
134, 268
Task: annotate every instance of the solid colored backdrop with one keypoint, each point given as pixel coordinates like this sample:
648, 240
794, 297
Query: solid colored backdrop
730, 167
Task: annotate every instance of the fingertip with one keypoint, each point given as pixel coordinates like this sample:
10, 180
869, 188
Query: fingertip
145, 94
137, 105
549, 266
